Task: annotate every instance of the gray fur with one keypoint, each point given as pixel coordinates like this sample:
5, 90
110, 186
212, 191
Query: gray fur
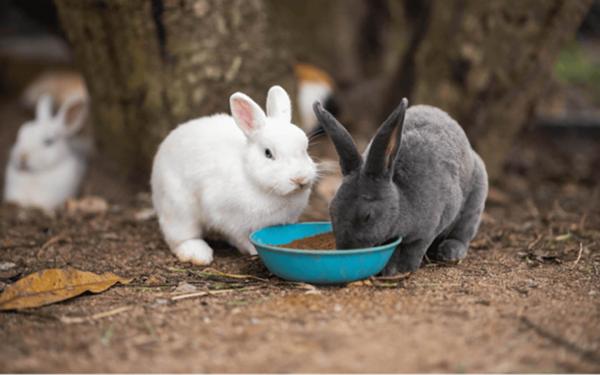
433, 195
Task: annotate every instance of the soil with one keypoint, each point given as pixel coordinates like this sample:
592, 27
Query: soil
525, 299
324, 241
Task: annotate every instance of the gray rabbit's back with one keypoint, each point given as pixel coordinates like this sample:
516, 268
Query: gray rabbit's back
435, 164
434, 147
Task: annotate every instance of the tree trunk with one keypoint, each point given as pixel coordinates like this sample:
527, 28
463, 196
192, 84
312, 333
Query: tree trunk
486, 63
151, 65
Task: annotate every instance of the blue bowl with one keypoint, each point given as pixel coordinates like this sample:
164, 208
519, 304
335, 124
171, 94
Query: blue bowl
317, 266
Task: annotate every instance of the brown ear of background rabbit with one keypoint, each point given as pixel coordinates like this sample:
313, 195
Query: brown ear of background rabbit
431, 190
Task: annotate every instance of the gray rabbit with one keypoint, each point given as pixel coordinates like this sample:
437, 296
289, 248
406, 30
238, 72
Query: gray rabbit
430, 188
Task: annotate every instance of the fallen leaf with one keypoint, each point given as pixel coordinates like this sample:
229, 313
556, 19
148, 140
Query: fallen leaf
54, 285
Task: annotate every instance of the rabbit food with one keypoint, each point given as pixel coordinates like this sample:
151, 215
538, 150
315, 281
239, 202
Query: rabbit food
323, 241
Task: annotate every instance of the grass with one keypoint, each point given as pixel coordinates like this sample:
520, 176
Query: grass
574, 66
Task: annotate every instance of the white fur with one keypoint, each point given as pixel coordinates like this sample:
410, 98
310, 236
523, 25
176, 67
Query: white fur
43, 170
308, 93
211, 176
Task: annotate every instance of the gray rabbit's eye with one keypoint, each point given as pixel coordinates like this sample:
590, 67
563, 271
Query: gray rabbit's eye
366, 217
268, 154
48, 142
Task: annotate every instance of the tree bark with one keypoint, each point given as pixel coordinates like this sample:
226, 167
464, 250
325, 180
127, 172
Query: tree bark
486, 63
150, 65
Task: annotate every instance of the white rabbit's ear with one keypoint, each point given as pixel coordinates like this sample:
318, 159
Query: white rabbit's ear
43, 109
72, 114
246, 113
278, 104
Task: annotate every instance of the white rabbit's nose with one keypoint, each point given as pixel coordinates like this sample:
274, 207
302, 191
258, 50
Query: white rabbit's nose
302, 182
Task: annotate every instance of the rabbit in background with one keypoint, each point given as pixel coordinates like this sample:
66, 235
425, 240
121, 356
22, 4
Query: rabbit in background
430, 188
46, 166
314, 84
229, 175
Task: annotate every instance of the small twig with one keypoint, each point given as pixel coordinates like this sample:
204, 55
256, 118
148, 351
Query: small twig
105, 314
398, 277
207, 293
296, 284
162, 285
212, 272
578, 254
563, 237
534, 242
192, 295
52, 240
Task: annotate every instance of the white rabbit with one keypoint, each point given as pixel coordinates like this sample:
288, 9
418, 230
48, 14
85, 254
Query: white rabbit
314, 84
230, 175
44, 169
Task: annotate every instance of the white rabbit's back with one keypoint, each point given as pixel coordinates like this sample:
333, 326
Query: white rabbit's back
199, 146
45, 189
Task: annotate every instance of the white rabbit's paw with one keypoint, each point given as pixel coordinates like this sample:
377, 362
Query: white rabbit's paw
245, 247
195, 251
251, 250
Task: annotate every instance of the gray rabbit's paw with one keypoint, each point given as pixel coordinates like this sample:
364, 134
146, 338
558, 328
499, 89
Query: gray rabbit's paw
390, 269
395, 268
450, 251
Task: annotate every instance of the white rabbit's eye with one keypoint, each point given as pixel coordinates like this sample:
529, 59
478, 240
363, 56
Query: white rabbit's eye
268, 153
48, 142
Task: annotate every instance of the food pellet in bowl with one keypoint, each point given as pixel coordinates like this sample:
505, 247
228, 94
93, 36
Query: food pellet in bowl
323, 241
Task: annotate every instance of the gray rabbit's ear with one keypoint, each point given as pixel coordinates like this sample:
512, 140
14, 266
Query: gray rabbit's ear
350, 159
376, 159
398, 139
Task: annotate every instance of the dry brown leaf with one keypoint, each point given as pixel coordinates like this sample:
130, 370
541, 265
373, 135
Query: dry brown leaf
54, 285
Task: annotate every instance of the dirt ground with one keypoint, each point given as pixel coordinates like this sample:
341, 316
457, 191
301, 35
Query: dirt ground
526, 299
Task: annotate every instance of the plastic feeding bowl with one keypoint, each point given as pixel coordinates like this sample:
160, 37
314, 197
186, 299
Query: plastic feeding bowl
317, 266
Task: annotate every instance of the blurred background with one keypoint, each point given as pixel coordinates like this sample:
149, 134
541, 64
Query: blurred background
521, 77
